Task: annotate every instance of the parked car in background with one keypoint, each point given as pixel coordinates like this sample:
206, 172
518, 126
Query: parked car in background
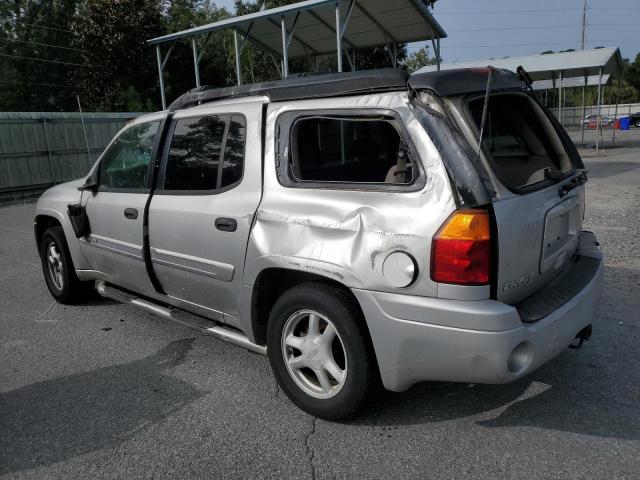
605, 121
635, 119
355, 227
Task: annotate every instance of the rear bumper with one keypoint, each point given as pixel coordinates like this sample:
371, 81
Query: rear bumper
429, 339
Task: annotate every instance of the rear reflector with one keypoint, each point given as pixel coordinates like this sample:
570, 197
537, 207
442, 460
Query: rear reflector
461, 250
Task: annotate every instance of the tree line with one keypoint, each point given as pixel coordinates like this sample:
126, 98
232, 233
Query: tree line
54, 50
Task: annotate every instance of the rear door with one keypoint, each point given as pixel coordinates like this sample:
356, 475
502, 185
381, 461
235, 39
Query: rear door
538, 222
116, 209
202, 212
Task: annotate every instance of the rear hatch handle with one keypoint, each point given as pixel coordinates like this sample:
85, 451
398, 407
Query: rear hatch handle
579, 179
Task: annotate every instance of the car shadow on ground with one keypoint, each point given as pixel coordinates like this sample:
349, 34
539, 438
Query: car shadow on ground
53, 420
542, 400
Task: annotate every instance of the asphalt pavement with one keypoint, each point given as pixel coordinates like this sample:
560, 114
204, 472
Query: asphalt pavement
103, 390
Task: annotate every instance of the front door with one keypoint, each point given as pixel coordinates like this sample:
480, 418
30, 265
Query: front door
116, 209
201, 214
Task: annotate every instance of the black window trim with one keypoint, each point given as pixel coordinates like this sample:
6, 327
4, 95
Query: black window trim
152, 160
282, 140
167, 145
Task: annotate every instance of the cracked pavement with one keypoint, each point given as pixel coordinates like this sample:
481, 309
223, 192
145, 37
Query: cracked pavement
103, 390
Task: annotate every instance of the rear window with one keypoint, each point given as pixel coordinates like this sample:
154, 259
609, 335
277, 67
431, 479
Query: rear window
349, 150
520, 141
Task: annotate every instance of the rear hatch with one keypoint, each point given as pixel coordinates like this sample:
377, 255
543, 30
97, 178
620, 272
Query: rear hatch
540, 201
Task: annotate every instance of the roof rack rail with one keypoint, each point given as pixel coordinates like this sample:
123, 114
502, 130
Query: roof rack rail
302, 86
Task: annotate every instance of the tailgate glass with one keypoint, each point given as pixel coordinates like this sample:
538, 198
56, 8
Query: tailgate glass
520, 142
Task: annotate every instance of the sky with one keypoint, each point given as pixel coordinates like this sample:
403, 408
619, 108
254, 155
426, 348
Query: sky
481, 29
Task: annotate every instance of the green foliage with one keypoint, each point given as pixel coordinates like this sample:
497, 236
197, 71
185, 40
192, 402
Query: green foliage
633, 72
419, 59
29, 30
112, 34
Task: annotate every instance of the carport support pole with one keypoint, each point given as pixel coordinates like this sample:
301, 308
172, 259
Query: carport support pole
237, 51
338, 37
159, 58
196, 65
615, 114
435, 43
584, 88
285, 49
560, 100
598, 122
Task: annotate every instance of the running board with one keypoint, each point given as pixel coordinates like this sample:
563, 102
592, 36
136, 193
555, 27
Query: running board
185, 319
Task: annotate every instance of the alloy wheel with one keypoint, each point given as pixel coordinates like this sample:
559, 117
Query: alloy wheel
56, 268
314, 354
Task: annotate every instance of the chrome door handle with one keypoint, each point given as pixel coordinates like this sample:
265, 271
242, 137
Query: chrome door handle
226, 224
131, 213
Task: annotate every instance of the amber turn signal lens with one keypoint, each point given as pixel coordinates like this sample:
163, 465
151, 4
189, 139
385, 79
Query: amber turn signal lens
461, 250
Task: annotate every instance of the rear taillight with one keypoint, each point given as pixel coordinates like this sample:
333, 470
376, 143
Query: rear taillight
461, 250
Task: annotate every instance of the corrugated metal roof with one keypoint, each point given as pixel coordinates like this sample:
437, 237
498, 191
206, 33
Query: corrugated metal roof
372, 23
545, 67
592, 80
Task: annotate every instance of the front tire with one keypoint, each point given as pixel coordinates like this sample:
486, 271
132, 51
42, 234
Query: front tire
58, 269
318, 350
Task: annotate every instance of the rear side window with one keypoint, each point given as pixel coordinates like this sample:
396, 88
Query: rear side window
349, 150
205, 153
520, 141
125, 164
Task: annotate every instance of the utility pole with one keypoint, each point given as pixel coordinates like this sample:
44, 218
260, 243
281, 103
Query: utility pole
584, 22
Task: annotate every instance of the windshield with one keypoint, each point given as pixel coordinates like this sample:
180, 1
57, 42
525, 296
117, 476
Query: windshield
520, 141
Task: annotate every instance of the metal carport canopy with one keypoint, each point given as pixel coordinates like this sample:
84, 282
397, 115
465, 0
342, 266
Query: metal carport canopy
573, 82
370, 23
316, 27
545, 67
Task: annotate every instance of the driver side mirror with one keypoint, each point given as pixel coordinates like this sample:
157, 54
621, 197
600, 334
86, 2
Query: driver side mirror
90, 184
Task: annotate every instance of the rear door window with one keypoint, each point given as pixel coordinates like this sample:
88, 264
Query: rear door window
520, 142
206, 154
194, 154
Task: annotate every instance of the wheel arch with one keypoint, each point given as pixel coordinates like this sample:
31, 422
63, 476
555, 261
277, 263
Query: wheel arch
41, 224
47, 218
272, 282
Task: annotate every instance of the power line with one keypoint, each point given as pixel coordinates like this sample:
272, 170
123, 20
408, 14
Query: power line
537, 10
47, 28
499, 29
566, 42
44, 60
538, 27
505, 12
35, 19
40, 44
36, 83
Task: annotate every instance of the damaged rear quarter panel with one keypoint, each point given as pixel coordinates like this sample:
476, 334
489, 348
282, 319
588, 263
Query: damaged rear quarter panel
345, 235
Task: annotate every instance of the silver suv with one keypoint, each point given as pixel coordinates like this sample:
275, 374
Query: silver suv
357, 228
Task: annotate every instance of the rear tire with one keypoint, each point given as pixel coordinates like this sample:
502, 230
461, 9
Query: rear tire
57, 267
319, 352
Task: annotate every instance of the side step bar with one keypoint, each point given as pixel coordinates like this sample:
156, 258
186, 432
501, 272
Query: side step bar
186, 319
